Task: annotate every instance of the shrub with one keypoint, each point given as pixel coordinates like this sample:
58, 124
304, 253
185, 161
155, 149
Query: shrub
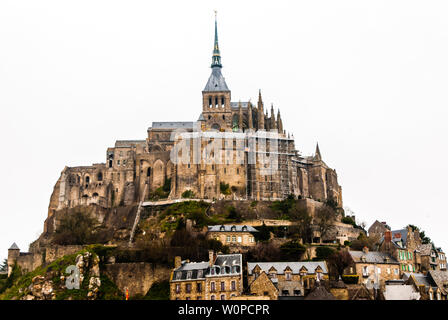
225, 188
233, 214
348, 220
75, 228
263, 233
292, 250
188, 194
350, 279
323, 253
347, 243
159, 291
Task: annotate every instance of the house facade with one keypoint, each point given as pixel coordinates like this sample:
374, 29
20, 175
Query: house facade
220, 278
373, 267
237, 237
290, 279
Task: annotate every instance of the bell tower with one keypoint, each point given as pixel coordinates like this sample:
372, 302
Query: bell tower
216, 109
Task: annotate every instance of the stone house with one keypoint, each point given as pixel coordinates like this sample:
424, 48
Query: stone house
403, 246
237, 237
373, 267
423, 283
290, 279
440, 278
220, 278
431, 258
377, 229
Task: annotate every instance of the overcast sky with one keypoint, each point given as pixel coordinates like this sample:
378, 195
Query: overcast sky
366, 79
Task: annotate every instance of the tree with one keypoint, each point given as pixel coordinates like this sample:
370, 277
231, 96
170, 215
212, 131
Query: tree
263, 233
325, 217
4, 266
324, 253
76, 228
364, 241
233, 214
339, 261
423, 237
292, 250
302, 226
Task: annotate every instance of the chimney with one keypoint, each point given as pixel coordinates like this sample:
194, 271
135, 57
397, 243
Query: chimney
177, 262
365, 250
388, 236
211, 257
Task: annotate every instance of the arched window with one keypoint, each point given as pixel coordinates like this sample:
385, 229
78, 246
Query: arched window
87, 180
223, 102
210, 102
216, 102
148, 172
215, 126
235, 122
100, 176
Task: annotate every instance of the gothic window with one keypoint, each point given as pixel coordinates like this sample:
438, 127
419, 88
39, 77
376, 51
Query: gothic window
209, 103
216, 102
148, 172
87, 179
223, 117
100, 176
216, 127
222, 102
235, 122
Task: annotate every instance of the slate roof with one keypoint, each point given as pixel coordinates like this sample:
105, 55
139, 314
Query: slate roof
216, 81
425, 249
372, 257
200, 270
281, 266
319, 293
14, 247
128, 143
173, 125
441, 279
420, 279
403, 237
228, 228
236, 105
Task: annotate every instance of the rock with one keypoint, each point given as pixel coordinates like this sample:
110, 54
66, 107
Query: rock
28, 297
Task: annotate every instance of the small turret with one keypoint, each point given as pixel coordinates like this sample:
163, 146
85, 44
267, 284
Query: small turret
273, 125
317, 155
249, 116
279, 122
13, 254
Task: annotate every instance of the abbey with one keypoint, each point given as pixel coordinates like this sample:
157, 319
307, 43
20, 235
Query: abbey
135, 170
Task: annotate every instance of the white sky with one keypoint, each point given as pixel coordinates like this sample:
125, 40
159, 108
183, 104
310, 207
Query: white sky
367, 79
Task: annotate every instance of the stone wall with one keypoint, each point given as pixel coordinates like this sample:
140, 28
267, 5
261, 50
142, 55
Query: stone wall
136, 277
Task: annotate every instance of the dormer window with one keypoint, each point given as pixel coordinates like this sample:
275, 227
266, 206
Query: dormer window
244, 228
188, 274
233, 228
222, 228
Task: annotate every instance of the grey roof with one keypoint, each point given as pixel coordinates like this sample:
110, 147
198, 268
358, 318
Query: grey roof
403, 237
425, 249
281, 266
200, 270
191, 270
320, 293
128, 143
172, 125
228, 228
228, 260
441, 279
216, 82
372, 257
201, 117
237, 104
420, 278
14, 247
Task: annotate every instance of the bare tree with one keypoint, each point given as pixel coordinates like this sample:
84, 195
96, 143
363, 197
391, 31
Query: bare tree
324, 219
339, 261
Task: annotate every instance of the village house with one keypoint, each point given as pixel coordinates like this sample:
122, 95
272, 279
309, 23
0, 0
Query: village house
373, 266
377, 229
285, 280
237, 237
220, 278
440, 278
403, 246
423, 283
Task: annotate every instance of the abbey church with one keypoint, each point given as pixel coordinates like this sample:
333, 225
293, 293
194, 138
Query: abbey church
135, 169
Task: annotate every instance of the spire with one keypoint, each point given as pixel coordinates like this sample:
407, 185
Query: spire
216, 59
260, 113
317, 155
273, 122
279, 122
